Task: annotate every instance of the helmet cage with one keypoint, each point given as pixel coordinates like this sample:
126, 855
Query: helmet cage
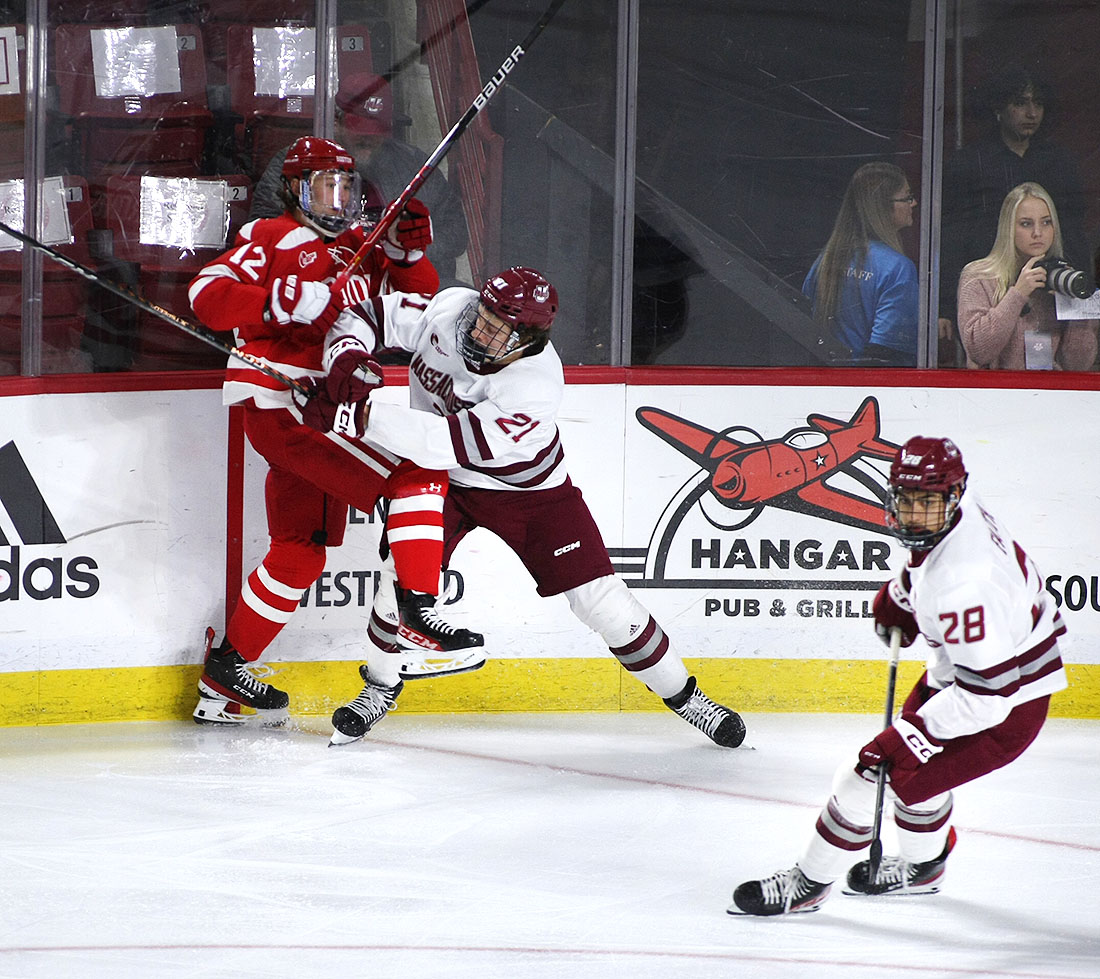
330, 200
478, 356
928, 465
921, 538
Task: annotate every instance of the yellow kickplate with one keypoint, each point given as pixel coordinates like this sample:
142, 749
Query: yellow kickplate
316, 689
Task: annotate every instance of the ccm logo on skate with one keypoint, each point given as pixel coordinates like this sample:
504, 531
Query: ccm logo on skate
568, 547
47, 578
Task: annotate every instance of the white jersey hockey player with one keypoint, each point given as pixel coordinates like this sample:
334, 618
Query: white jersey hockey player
993, 663
485, 385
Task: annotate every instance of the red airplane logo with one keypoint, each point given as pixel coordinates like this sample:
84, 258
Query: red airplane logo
791, 472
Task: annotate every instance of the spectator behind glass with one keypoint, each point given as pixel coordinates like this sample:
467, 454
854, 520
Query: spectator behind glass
862, 287
1007, 316
977, 178
364, 126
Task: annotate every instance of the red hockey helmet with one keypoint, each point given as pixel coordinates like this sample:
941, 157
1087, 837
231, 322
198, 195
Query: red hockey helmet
521, 298
329, 193
924, 465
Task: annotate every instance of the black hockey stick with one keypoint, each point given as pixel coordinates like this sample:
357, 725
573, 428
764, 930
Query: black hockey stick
395, 207
201, 332
880, 784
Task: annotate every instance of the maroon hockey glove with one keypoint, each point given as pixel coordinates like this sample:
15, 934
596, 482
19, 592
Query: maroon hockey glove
352, 377
320, 412
904, 746
410, 234
891, 608
307, 308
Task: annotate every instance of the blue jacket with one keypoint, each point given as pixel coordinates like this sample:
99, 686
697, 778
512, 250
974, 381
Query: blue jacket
879, 303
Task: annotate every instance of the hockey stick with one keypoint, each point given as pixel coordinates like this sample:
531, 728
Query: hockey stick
395, 207
201, 332
880, 784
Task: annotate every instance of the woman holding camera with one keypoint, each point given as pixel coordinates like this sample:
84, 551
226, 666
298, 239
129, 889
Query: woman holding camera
1007, 317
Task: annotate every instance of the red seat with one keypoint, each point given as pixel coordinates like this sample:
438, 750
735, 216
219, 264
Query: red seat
170, 227
271, 73
134, 97
67, 221
12, 103
214, 18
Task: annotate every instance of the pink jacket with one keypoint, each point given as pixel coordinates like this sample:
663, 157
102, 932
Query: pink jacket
993, 336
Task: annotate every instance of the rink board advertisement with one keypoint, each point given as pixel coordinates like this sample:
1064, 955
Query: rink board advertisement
112, 527
747, 518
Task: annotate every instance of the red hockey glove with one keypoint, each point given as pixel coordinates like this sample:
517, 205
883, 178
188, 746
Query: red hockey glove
308, 308
891, 608
320, 412
410, 234
904, 746
353, 375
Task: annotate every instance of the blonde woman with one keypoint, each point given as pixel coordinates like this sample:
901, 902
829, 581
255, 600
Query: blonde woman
1007, 317
862, 286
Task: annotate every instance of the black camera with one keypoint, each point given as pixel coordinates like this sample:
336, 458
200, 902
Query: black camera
1064, 278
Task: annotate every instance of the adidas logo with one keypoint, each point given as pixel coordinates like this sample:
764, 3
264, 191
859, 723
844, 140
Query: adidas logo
26, 519
26, 507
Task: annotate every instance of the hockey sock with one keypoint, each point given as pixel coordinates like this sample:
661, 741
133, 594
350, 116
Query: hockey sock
271, 595
414, 531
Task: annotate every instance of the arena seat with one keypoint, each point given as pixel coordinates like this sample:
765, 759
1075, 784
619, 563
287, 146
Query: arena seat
134, 98
271, 77
67, 220
169, 227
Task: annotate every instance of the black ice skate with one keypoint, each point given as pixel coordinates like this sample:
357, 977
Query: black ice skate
897, 875
718, 723
353, 720
422, 626
785, 892
229, 692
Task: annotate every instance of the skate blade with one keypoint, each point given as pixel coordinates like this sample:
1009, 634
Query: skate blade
895, 892
230, 713
339, 739
420, 669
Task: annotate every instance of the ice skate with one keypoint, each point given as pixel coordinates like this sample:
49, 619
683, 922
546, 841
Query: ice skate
353, 720
785, 892
422, 626
896, 875
718, 723
230, 693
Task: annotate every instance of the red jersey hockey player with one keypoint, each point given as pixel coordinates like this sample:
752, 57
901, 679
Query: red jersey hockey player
488, 384
273, 289
993, 663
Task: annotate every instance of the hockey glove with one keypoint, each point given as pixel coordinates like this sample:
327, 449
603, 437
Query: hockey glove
353, 376
891, 608
308, 308
320, 412
410, 234
903, 747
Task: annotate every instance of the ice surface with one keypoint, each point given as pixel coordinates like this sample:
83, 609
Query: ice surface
526, 846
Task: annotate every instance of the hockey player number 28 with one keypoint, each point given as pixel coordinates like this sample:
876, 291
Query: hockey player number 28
973, 623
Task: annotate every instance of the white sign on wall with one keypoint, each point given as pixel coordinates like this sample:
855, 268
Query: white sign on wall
747, 519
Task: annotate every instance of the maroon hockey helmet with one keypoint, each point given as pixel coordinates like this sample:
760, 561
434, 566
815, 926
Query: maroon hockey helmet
930, 465
329, 193
521, 298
